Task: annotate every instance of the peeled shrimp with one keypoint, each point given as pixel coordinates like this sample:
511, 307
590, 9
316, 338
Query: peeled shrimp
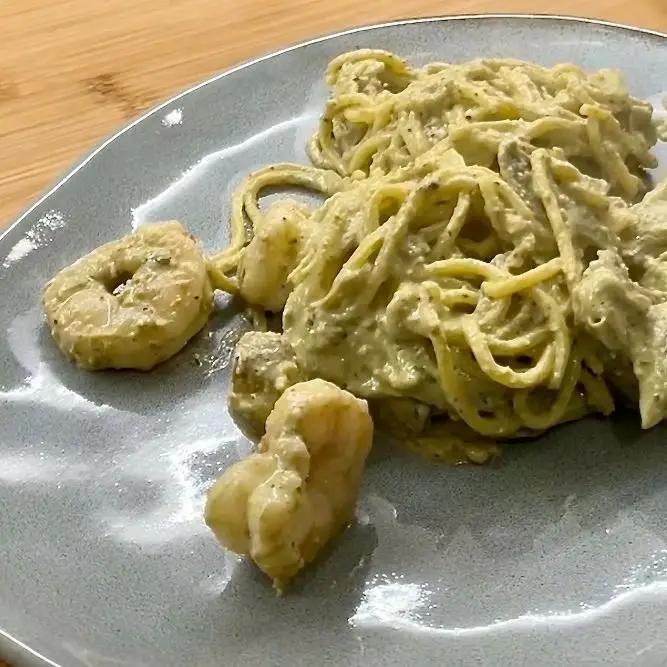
284, 503
131, 303
270, 256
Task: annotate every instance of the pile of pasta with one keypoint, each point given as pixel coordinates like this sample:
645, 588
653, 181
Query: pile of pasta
483, 252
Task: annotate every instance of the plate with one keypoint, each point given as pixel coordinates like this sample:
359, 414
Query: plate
557, 555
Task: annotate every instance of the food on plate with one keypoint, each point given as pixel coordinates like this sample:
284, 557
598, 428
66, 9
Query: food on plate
244, 206
264, 366
131, 303
621, 299
270, 256
453, 264
487, 260
283, 504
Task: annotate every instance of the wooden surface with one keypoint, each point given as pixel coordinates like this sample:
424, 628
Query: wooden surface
73, 70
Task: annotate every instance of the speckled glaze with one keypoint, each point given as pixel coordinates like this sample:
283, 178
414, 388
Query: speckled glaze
555, 556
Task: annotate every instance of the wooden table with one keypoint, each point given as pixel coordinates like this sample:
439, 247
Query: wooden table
73, 70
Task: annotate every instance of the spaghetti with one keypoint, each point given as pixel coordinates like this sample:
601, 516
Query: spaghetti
465, 205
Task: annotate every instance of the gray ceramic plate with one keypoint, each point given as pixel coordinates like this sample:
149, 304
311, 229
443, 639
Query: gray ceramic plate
556, 556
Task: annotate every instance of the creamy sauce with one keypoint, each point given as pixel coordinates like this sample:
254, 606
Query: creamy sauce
455, 265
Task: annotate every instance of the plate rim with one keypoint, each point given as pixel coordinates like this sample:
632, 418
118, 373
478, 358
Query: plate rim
97, 148
16, 649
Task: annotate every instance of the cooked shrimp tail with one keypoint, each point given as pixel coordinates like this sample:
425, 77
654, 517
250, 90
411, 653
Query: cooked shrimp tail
284, 504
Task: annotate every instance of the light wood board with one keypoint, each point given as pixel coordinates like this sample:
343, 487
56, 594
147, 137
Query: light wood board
71, 71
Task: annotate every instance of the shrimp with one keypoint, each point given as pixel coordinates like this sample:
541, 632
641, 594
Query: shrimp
283, 504
131, 303
264, 366
270, 256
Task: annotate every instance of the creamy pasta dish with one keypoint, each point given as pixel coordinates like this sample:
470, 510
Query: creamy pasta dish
488, 259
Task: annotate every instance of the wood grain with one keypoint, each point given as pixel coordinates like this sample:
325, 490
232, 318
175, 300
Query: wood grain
73, 70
